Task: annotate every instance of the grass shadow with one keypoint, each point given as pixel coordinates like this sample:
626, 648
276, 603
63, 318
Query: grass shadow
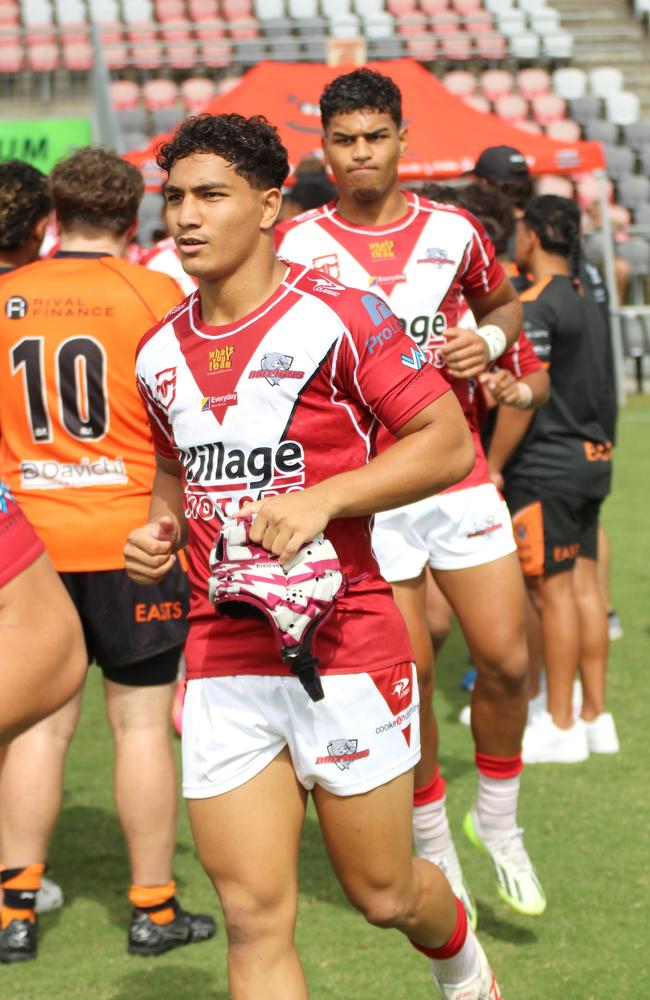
500, 929
165, 980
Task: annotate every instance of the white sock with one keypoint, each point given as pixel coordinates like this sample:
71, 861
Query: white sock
464, 964
431, 833
496, 804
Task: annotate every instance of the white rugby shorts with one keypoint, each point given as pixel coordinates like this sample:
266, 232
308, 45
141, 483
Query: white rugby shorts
363, 733
455, 530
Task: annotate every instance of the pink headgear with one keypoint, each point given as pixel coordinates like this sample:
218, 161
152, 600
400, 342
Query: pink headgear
295, 599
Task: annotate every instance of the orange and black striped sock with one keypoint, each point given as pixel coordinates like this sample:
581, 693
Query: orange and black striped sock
157, 901
20, 886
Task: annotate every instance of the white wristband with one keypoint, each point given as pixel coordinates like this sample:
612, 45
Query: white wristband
525, 396
495, 339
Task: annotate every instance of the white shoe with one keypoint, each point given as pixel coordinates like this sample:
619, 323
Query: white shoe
536, 706
576, 698
481, 986
546, 743
517, 881
601, 734
465, 715
449, 865
614, 626
49, 897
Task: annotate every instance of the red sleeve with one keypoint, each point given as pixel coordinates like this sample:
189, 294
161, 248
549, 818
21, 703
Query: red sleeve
520, 358
482, 273
380, 365
161, 432
19, 544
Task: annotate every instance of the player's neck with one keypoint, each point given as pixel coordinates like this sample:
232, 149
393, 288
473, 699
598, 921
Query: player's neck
101, 242
16, 258
389, 208
231, 298
548, 265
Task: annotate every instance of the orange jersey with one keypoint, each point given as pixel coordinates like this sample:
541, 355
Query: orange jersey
75, 448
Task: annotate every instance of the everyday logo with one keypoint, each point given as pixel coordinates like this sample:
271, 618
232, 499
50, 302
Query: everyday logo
218, 402
165, 387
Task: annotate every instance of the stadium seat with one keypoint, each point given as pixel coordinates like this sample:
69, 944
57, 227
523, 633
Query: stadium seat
558, 45
159, 94
386, 48
459, 82
147, 57
498, 6
637, 135
215, 53
433, 7
533, 83
495, 83
480, 22
37, 13
620, 162
456, 48
12, 59
116, 57
365, 8
636, 251
71, 13
169, 10
412, 24
623, 108
525, 46
548, 108
77, 57
124, 94
605, 81
165, 119
196, 92
243, 29
598, 130
344, 26
204, 10
314, 49
181, 56
511, 108
531, 6
465, 7
563, 130
584, 109
399, 7
545, 21
633, 191
588, 190
555, 184
569, 82
212, 30
445, 22
525, 125
423, 48
299, 9
379, 25
333, 8
642, 215
176, 31
477, 103
139, 32
104, 12
491, 48
132, 120
510, 22
42, 58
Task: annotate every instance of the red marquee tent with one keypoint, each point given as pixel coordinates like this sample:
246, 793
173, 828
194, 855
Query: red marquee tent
445, 134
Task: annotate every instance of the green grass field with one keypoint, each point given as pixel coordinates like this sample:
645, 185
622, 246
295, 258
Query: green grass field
586, 828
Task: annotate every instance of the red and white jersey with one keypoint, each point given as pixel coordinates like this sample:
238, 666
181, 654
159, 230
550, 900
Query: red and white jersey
279, 401
164, 256
423, 265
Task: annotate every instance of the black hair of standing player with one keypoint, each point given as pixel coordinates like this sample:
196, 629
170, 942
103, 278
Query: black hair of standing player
251, 145
360, 90
24, 201
556, 221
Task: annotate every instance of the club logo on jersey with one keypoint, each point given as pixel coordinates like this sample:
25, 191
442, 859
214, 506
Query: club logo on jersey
436, 256
382, 249
15, 307
342, 753
220, 360
274, 367
401, 688
237, 470
326, 286
485, 527
415, 360
329, 263
165, 387
218, 404
6, 497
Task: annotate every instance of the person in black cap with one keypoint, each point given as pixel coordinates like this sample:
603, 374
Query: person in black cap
505, 168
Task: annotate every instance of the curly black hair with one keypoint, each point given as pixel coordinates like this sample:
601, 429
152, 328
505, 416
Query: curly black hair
488, 204
251, 145
556, 221
24, 201
94, 188
360, 89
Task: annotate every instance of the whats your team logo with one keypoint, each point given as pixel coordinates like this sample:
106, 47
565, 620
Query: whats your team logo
436, 256
220, 359
382, 249
274, 367
342, 753
402, 687
15, 307
326, 286
6, 497
329, 263
415, 360
165, 387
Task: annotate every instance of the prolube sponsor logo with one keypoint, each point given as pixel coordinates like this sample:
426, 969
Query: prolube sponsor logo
53, 475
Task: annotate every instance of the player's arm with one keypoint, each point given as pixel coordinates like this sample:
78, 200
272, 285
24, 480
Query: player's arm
528, 392
499, 315
434, 450
150, 550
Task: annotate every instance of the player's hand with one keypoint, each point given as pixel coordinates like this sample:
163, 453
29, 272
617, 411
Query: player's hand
149, 550
502, 385
284, 523
465, 352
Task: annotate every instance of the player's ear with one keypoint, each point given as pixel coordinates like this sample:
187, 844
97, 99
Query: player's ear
39, 229
271, 204
403, 140
132, 230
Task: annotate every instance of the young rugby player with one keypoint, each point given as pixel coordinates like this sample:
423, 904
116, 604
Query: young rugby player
557, 479
281, 376
424, 259
76, 454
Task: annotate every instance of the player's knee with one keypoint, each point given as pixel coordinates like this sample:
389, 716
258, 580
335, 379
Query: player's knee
381, 907
259, 916
505, 667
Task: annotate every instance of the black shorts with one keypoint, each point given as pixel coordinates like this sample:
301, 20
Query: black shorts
129, 628
552, 529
